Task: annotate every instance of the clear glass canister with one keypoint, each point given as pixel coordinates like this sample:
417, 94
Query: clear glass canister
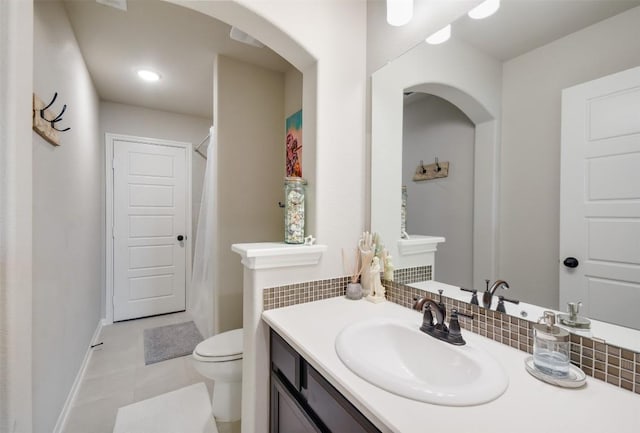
294, 194
551, 346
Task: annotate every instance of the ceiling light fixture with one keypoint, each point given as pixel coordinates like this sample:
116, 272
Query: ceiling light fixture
148, 75
399, 12
440, 36
484, 9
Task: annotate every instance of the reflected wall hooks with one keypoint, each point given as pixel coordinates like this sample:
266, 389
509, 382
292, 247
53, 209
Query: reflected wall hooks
437, 170
44, 119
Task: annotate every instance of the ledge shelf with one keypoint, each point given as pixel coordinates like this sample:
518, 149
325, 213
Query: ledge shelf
270, 255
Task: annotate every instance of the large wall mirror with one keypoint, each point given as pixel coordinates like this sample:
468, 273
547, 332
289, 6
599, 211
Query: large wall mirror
488, 101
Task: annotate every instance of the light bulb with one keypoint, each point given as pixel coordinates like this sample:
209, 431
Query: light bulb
484, 9
399, 12
148, 75
440, 36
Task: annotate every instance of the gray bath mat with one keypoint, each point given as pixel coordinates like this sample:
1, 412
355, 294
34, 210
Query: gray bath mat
170, 341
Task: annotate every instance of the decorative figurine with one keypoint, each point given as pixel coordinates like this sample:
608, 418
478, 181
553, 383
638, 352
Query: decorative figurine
378, 291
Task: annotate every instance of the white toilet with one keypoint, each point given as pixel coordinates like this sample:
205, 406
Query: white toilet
220, 358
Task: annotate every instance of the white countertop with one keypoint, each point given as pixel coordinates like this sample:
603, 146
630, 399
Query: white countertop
528, 405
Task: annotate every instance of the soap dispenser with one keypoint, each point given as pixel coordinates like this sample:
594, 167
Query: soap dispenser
551, 345
572, 319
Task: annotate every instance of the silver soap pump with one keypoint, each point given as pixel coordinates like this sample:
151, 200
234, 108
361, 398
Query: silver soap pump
551, 345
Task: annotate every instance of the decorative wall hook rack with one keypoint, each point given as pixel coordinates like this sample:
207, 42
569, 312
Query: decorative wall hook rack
44, 119
437, 170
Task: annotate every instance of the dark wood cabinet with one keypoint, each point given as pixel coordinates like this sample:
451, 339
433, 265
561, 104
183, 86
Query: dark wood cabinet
304, 401
287, 414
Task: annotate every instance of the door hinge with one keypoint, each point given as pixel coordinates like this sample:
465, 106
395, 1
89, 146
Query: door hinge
113, 164
113, 232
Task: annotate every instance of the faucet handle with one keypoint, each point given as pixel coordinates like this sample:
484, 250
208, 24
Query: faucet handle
500, 308
455, 335
474, 295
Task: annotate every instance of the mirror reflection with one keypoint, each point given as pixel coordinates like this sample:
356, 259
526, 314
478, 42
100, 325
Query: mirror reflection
489, 103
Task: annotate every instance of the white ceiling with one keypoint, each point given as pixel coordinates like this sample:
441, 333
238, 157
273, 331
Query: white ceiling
181, 44
520, 26
174, 41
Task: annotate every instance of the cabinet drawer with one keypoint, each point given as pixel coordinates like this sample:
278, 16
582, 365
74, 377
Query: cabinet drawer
335, 411
285, 360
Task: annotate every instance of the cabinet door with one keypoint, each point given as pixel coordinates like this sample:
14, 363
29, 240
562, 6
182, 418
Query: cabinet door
287, 415
331, 408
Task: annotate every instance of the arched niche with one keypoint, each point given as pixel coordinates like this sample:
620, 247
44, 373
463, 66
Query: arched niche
272, 34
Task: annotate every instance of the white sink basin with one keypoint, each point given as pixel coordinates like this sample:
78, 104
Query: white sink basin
396, 356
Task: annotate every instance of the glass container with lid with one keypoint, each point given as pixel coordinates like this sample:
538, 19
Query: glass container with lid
294, 196
551, 346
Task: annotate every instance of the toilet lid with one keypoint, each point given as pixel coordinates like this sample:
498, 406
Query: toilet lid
226, 345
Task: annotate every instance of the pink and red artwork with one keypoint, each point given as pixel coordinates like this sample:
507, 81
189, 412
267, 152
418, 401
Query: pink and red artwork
294, 144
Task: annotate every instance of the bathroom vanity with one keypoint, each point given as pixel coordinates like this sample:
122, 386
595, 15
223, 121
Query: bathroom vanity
303, 400
303, 354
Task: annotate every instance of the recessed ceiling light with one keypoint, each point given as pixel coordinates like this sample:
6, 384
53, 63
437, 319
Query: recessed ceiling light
484, 9
148, 75
440, 36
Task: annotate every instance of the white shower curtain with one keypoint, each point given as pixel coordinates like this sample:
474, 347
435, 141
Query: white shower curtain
201, 301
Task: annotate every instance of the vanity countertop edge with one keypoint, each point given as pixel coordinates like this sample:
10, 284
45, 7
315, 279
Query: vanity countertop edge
527, 405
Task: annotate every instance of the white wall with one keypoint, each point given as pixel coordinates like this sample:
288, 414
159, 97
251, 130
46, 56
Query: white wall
292, 93
250, 127
434, 128
68, 218
144, 122
16, 73
531, 146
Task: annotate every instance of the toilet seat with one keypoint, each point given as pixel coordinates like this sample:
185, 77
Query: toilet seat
226, 346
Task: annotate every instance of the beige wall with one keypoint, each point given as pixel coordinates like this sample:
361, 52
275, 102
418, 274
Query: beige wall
68, 218
530, 179
250, 126
292, 92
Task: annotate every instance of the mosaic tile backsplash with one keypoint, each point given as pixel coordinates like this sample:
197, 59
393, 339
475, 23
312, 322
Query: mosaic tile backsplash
617, 366
299, 293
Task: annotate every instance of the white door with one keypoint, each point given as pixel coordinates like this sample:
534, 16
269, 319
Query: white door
600, 198
149, 218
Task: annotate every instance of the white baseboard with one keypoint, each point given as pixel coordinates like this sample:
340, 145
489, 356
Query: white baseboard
64, 413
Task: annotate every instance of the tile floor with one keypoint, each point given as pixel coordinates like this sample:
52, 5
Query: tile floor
116, 376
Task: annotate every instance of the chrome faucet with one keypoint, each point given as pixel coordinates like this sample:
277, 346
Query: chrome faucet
487, 296
439, 329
